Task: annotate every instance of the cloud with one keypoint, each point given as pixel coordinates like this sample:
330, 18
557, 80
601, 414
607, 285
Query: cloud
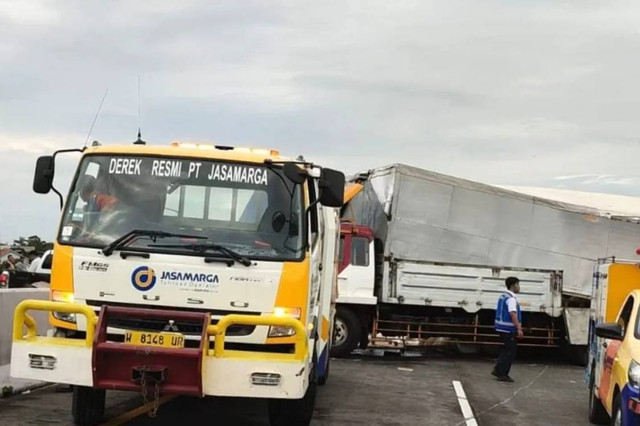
33, 144
519, 93
599, 180
28, 13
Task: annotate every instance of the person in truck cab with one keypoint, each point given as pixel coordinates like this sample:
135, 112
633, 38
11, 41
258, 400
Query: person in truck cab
98, 206
96, 201
508, 324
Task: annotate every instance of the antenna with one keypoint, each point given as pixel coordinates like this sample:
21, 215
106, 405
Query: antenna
96, 117
139, 141
139, 115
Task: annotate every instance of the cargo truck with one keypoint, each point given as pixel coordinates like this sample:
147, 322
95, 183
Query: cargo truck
188, 269
424, 257
613, 372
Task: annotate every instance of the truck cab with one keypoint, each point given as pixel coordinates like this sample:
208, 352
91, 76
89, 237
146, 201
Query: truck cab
357, 269
356, 281
190, 269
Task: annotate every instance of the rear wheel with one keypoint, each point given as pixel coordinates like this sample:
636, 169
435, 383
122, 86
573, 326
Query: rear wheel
295, 412
88, 405
616, 418
597, 414
576, 354
323, 379
346, 333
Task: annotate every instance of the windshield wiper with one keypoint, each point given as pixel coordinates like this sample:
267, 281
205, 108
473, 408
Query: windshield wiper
130, 236
204, 247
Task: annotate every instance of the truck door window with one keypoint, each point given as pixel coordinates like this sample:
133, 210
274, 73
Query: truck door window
341, 250
625, 315
360, 251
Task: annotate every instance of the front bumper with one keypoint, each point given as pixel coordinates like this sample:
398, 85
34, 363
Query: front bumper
99, 363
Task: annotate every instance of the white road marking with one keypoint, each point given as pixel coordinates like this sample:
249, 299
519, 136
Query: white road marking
467, 413
405, 369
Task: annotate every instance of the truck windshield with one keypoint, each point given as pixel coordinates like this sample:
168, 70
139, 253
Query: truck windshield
249, 208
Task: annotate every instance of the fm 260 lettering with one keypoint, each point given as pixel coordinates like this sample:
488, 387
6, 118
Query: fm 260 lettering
190, 277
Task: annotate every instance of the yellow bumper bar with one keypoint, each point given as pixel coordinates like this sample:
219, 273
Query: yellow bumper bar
21, 318
219, 331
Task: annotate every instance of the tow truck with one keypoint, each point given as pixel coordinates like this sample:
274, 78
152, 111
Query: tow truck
190, 269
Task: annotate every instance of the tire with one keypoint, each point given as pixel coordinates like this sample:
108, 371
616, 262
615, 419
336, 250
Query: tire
322, 380
576, 354
616, 418
346, 333
295, 412
364, 338
580, 355
597, 413
88, 405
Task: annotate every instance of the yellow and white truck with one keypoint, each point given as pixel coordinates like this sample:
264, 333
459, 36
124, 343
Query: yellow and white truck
614, 343
188, 269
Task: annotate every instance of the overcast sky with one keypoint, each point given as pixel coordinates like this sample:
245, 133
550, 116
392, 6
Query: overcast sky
536, 93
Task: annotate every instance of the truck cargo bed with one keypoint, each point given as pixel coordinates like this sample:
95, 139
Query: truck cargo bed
471, 287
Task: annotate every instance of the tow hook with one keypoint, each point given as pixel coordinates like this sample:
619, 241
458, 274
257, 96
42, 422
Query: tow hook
146, 377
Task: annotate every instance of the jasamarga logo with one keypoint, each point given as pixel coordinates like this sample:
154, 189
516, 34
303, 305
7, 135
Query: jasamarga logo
189, 276
190, 281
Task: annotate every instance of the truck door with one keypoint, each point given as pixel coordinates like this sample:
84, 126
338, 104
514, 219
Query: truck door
357, 267
610, 353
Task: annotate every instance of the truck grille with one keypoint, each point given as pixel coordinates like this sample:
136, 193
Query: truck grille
184, 327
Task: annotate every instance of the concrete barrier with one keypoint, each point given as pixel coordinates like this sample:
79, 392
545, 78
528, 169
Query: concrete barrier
9, 299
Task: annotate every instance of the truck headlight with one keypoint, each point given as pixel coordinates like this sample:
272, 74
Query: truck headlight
634, 374
280, 331
63, 296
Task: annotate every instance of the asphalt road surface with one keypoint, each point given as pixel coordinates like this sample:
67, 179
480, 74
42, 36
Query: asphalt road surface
366, 389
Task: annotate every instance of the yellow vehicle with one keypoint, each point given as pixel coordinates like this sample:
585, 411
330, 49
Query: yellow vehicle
188, 269
614, 362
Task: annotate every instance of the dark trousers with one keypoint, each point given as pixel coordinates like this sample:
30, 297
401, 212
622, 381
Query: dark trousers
507, 354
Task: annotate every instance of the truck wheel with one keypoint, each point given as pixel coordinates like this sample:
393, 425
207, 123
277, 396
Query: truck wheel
294, 412
575, 354
346, 333
88, 405
597, 414
616, 418
580, 355
323, 379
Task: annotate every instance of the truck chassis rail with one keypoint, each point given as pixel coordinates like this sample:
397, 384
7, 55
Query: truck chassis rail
412, 334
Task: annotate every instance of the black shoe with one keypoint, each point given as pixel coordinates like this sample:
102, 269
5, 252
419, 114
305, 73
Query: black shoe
495, 373
505, 379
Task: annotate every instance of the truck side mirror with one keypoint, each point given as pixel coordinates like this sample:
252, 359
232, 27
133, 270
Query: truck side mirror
610, 330
331, 188
43, 177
